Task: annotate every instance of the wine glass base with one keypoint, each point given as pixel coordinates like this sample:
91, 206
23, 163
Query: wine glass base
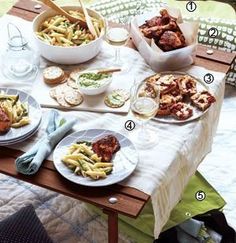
31, 75
144, 139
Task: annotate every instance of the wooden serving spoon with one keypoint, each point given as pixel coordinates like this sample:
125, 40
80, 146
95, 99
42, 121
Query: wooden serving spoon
100, 71
88, 20
111, 70
61, 11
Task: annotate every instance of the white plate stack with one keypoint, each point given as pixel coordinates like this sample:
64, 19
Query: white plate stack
17, 135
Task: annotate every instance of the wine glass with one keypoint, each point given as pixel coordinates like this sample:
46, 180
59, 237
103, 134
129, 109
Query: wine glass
144, 107
117, 37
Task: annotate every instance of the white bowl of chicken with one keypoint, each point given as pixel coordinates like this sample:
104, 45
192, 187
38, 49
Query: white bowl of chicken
63, 42
164, 40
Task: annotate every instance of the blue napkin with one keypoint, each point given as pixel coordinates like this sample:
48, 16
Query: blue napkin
30, 162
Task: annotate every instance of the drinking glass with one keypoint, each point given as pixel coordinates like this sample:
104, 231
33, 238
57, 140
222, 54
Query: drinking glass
143, 108
117, 37
20, 62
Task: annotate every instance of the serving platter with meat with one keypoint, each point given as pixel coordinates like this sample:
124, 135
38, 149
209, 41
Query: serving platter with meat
183, 98
95, 157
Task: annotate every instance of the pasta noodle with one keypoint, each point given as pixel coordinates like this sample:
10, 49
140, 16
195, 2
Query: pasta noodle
59, 31
81, 159
16, 111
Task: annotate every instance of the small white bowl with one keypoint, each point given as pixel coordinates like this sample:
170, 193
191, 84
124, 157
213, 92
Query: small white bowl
95, 91
67, 55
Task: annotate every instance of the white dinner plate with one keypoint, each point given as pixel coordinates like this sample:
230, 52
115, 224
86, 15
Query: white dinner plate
35, 115
19, 140
124, 161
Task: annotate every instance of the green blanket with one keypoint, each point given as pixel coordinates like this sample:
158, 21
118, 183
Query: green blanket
141, 229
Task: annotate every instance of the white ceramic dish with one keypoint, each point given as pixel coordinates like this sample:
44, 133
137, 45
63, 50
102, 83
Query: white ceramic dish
67, 55
92, 90
35, 115
124, 161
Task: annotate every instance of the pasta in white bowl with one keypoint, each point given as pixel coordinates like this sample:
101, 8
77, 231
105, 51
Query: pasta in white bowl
62, 42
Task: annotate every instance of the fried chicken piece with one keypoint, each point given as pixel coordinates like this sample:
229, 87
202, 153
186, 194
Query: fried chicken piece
106, 147
156, 26
171, 40
165, 31
5, 123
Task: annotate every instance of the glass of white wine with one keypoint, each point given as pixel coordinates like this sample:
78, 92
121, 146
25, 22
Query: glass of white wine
143, 108
117, 37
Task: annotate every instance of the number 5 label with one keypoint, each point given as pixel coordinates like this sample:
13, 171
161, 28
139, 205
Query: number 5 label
200, 195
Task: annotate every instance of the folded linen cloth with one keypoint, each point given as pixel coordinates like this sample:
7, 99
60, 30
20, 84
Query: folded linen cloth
30, 162
193, 231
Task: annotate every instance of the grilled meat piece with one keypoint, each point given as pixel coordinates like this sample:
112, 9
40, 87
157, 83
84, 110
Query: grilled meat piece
5, 123
171, 40
106, 147
203, 100
181, 111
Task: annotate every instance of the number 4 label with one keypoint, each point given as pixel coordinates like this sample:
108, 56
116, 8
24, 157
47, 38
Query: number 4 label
129, 125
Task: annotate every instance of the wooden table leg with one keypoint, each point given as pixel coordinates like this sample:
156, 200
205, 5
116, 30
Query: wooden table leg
112, 226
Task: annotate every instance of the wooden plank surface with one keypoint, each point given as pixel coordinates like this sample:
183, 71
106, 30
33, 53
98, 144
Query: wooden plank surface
49, 165
29, 5
218, 55
49, 178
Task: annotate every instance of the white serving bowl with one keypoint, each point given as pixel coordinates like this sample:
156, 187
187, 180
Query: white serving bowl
95, 91
67, 55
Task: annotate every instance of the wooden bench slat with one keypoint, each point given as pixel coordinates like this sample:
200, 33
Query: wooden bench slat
28, 5
22, 14
218, 55
132, 192
51, 180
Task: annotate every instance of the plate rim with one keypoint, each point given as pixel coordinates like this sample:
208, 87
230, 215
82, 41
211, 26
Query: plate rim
107, 184
39, 110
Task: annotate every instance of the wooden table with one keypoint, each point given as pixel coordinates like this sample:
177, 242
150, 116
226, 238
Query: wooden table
130, 201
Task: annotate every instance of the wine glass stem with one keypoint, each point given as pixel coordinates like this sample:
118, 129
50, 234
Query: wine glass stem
143, 134
117, 55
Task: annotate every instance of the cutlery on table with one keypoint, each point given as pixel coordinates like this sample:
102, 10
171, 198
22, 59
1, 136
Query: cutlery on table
58, 9
112, 70
88, 20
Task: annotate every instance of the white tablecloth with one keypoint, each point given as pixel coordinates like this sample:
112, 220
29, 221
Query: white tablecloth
164, 170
